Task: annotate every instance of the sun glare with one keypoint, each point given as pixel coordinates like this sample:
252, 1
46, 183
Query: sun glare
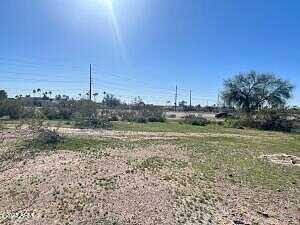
115, 25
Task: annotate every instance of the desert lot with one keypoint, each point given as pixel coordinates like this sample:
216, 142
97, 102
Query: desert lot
154, 173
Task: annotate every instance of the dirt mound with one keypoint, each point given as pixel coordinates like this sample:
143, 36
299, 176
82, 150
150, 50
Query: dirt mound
283, 159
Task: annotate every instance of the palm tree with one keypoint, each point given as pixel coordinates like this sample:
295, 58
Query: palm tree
50, 93
39, 91
58, 97
95, 95
34, 92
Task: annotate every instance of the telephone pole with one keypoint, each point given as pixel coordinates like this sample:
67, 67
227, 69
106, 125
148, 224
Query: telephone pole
176, 95
190, 100
90, 93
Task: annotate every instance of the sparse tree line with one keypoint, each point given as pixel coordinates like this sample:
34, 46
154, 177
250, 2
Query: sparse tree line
84, 113
258, 100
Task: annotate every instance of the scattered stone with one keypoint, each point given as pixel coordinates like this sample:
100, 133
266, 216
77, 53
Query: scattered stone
264, 214
238, 222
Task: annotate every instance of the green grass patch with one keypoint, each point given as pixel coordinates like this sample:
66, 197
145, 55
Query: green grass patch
237, 160
156, 163
106, 183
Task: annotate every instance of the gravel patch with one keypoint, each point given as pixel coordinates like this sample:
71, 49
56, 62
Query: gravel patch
69, 188
283, 159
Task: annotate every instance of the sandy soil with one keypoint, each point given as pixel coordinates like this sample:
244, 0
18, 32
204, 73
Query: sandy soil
69, 188
65, 187
138, 135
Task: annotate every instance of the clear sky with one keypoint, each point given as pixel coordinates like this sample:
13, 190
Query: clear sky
146, 47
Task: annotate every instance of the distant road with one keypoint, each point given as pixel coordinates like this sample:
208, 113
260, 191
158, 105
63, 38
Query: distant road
171, 115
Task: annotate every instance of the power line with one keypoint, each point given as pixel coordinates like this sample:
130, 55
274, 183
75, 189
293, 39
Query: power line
35, 63
39, 80
145, 84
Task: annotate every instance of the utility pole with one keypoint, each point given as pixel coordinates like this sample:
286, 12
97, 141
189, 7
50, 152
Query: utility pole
176, 95
90, 94
190, 100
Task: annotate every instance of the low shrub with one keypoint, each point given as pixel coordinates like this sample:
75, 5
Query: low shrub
273, 120
157, 118
143, 116
195, 120
266, 119
94, 123
140, 119
153, 114
14, 109
64, 110
29, 112
50, 113
40, 136
46, 136
114, 118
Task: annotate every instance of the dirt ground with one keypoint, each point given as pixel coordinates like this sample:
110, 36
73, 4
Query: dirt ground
130, 186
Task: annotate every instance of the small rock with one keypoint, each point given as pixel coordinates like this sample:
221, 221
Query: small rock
238, 222
264, 214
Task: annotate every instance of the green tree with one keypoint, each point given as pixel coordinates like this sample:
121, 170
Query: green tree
251, 91
39, 91
110, 100
3, 95
182, 103
95, 96
50, 93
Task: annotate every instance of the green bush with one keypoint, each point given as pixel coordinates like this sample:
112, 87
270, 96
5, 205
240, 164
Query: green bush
266, 119
113, 118
140, 119
272, 119
143, 116
13, 109
29, 112
66, 109
94, 123
46, 136
51, 113
195, 120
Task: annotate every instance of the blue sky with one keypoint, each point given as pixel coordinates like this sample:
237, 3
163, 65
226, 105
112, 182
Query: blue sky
146, 47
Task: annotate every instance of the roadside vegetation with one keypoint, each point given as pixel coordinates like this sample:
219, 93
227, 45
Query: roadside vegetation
251, 99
